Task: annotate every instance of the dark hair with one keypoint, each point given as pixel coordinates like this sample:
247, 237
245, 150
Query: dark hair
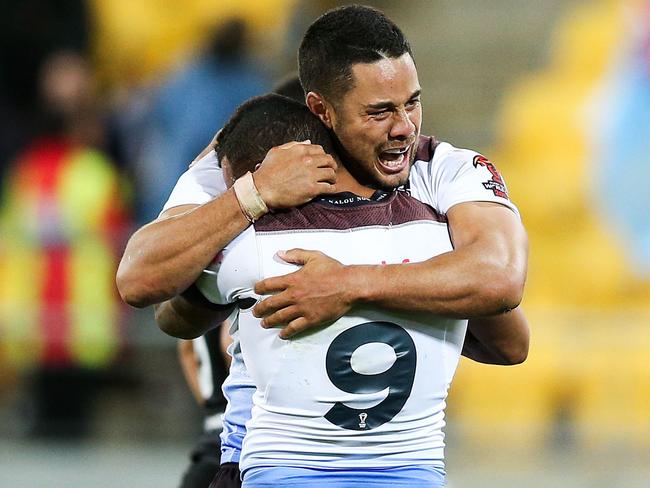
262, 123
290, 86
341, 38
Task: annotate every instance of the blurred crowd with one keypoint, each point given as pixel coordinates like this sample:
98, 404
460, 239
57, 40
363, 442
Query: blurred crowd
85, 157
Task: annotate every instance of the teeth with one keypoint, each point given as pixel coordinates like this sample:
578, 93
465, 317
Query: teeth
396, 150
393, 162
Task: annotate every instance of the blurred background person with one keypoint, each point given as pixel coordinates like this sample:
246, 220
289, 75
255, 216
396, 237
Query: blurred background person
30, 31
187, 108
63, 217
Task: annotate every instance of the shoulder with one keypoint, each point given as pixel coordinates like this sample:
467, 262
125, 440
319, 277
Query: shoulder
444, 175
438, 155
202, 182
406, 208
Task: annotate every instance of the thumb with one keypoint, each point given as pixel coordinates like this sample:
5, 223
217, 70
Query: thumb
296, 256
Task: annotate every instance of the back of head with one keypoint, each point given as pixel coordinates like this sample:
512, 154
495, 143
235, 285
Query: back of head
341, 38
262, 123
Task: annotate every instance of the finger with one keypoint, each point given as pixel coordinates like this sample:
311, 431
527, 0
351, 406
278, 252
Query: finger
326, 175
316, 151
324, 161
326, 189
281, 317
290, 144
294, 327
271, 305
275, 284
297, 256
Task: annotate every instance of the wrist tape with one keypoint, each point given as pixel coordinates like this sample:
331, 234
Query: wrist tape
250, 200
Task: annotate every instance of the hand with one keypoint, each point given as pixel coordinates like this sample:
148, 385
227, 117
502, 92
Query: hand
295, 173
314, 295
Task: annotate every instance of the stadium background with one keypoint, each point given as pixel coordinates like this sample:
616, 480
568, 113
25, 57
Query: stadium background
556, 93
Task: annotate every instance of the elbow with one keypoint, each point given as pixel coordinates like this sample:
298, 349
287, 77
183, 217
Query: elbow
504, 292
174, 327
515, 353
132, 290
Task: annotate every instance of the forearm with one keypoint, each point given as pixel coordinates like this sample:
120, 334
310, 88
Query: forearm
500, 339
166, 256
184, 319
463, 283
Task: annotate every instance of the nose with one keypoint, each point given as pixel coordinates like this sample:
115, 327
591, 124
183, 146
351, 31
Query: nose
403, 127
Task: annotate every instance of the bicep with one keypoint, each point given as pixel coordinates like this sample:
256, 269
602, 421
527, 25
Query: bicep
491, 225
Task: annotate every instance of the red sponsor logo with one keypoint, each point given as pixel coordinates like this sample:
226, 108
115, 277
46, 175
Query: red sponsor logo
496, 184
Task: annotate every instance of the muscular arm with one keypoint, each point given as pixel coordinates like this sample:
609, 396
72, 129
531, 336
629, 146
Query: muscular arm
498, 339
186, 318
484, 275
164, 257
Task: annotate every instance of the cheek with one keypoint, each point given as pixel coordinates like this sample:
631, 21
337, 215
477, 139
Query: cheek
417, 118
361, 140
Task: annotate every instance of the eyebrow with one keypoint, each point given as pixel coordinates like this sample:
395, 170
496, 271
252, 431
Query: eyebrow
385, 105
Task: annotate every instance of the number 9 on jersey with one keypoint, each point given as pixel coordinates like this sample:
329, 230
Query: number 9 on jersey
398, 378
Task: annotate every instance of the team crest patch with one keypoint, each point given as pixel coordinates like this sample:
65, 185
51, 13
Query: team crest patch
495, 184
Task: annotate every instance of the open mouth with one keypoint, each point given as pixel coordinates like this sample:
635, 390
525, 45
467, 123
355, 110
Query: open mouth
394, 160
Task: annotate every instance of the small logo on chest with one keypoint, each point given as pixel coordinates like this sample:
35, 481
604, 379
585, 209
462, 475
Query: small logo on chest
362, 420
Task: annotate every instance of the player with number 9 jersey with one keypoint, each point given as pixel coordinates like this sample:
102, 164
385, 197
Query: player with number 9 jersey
367, 391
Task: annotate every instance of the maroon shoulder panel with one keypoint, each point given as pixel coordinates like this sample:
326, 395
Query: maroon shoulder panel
426, 147
398, 209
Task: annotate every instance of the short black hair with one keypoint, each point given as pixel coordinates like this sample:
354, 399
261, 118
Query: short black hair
341, 38
290, 86
262, 123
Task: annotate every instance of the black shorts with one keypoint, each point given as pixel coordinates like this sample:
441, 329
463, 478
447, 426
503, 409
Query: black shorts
228, 476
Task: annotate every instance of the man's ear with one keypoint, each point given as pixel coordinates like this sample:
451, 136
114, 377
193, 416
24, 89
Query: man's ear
320, 108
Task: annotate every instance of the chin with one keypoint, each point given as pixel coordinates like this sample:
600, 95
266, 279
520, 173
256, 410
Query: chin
391, 182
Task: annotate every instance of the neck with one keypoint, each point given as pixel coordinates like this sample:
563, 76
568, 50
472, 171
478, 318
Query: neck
346, 182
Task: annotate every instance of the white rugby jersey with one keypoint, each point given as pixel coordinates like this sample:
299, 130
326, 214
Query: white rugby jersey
441, 176
368, 390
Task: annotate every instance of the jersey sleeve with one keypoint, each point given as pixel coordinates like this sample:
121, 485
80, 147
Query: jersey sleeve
456, 176
232, 274
203, 181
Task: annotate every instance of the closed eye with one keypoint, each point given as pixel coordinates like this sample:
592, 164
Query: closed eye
414, 102
379, 115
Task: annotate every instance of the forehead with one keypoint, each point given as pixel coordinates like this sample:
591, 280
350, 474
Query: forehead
389, 79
